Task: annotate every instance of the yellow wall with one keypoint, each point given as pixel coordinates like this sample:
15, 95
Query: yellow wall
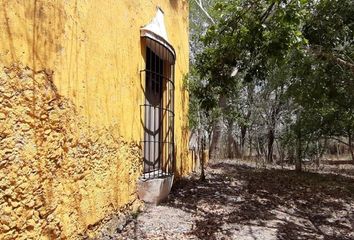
70, 90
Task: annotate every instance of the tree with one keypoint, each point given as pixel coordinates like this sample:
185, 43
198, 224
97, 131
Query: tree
248, 39
323, 78
276, 71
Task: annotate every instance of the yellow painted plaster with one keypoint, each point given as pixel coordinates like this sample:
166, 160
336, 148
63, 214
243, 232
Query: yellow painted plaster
70, 90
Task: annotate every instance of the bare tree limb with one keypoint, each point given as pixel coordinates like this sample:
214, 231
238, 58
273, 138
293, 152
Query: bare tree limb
200, 5
339, 140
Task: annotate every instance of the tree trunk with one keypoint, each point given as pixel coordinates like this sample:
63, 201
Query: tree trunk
233, 150
216, 139
318, 153
298, 163
323, 149
230, 141
271, 130
351, 145
258, 149
202, 157
270, 145
215, 145
243, 137
250, 144
281, 154
262, 150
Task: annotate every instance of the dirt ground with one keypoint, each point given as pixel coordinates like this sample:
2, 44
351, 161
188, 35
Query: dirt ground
239, 201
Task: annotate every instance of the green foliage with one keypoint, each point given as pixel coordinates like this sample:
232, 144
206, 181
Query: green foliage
285, 65
321, 85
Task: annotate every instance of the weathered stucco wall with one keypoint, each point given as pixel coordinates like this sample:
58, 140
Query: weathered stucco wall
57, 174
70, 90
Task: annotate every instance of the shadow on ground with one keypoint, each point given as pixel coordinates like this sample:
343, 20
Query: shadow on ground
248, 203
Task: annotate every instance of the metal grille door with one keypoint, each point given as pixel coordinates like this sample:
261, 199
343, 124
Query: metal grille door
158, 143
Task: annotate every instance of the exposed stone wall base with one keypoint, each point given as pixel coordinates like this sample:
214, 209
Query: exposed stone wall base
154, 191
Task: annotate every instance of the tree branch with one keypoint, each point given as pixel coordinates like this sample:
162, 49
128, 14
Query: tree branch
267, 13
341, 141
200, 5
321, 54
